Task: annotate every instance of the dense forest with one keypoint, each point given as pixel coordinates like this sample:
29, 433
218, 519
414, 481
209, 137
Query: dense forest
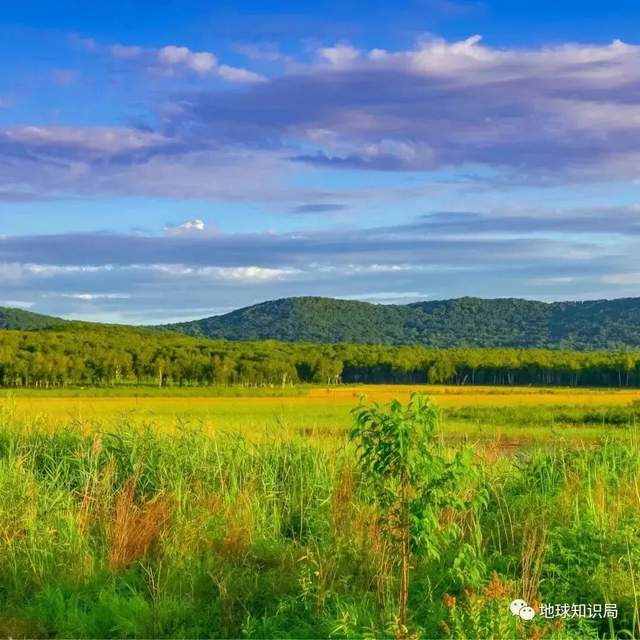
462, 322
103, 355
468, 322
11, 318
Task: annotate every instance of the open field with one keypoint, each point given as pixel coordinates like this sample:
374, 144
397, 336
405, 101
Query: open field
483, 413
180, 514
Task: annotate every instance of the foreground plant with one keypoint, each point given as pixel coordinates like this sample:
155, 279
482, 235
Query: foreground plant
408, 477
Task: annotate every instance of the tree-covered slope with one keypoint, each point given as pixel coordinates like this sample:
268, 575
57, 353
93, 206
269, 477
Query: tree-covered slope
470, 322
11, 318
596, 324
478, 322
508, 322
308, 320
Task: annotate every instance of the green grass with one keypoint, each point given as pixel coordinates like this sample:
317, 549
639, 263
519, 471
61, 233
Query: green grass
518, 416
135, 533
605, 417
149, 391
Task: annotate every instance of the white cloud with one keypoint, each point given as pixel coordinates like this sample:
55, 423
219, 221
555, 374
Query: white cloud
469, 61
389, 297
186, 228
513, 116
100, 139
552, 280
88, 297
236, 74
171, 59
592, 114
15, 272
251, 274
340, 55
230, 274
198, 61
197, 225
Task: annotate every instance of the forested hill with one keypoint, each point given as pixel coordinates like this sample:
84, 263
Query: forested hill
11, 318
505, 322
56, 353
471, 322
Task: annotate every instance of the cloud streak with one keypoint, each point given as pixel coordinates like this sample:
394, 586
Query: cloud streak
519, 255
175, 58
543, 114
552, 115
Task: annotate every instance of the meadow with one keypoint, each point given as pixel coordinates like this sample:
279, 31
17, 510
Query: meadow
146, 512
490, 414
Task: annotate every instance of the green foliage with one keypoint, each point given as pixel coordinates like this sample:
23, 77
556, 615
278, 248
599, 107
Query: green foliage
100, 355
404, 467
409, 479
11, 318
280, 539
462, 322
62, 353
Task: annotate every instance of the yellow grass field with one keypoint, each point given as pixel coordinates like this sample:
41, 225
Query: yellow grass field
485, 412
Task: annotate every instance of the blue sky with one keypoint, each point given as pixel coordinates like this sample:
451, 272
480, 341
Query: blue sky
175, 159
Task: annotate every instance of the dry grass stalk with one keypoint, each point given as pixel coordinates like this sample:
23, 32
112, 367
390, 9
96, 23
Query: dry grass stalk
96, 497
240, 525
134, 526
533, 551
342, 503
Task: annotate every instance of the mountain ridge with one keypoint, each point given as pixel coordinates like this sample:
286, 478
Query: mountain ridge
21, 319
467, 321
456, 322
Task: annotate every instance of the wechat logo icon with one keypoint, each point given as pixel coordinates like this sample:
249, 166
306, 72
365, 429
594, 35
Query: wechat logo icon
522, 609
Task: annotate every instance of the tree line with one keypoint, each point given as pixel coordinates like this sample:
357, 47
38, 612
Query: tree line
104, 356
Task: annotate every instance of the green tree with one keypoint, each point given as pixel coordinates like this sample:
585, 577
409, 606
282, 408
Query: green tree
441, 371
409, 479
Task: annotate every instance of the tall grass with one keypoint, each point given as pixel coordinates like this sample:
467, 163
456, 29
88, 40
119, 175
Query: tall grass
132, 532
